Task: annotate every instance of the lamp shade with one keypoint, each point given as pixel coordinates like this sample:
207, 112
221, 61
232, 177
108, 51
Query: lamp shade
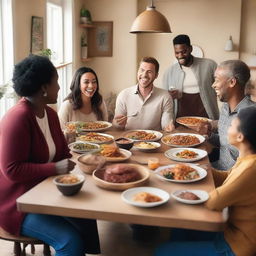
150, 21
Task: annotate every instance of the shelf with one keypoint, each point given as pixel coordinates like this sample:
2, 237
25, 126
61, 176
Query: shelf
86, 25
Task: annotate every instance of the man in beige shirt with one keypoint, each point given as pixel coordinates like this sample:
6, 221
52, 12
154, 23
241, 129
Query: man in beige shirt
144, 106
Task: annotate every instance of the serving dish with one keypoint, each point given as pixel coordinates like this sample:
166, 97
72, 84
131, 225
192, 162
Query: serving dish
126, 154
175, 154
95, 137
143, 135
201, 172
93, 126
99, 181
186, 140
129, 194
203, 195
145, 146
191, 121
83, 147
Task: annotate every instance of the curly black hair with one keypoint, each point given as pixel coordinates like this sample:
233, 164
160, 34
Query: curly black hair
31, 74
75, 96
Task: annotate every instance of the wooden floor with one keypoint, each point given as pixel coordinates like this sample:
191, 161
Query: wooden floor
116, 239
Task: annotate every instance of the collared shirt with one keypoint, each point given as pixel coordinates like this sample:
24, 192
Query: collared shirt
228, 153
154, 112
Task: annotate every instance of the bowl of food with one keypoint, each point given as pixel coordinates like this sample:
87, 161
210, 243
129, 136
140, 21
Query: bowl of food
89, 162
121, 176
69, 184
124, 143
145, 146
83, 147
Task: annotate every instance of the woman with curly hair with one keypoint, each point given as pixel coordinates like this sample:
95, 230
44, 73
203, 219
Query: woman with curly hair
33, 148
84, 103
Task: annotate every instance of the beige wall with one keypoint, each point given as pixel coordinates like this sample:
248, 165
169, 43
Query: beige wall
248, 33
119, 71
208, 23
22, 13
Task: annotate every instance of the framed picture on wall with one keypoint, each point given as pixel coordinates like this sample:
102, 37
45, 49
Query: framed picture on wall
37, 34
100, 39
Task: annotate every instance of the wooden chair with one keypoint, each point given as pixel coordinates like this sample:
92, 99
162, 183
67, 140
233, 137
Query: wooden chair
25, 241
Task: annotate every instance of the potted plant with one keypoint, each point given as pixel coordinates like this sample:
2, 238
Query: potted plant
84, 47
85, 16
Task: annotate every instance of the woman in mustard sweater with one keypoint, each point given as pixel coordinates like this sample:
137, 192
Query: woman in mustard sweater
235, 189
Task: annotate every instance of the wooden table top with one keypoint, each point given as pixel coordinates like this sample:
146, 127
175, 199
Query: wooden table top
97, 203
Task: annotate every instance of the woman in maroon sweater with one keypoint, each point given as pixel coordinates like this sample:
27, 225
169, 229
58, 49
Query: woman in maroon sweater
32, 148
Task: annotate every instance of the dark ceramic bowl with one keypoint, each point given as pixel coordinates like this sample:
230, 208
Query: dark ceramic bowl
76, 182
124, 143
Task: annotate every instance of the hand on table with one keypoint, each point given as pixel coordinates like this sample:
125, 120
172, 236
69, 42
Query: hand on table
170, 127
64, 166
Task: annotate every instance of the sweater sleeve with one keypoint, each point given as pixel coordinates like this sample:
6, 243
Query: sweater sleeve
233, 190
17, 151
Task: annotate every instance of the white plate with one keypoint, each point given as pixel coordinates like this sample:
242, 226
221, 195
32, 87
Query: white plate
126, 155
200, 137
179, 120
110, 137
172, 154
128, 195
203, 195
202, 173
155, 144
80, 151
156, 133
107, 125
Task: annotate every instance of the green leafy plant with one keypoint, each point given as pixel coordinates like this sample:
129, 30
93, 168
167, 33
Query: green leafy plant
46, 52
85, 13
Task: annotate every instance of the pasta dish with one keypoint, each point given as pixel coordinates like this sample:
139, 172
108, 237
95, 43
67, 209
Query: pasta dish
191, 121
181, 140
95, 137
141, 135
187, 154
111, 151
180, 172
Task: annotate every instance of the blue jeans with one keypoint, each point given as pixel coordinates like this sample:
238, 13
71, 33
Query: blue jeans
68, 236
199, 246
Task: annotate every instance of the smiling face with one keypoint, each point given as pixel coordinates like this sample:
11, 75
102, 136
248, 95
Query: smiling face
222, 84
183, 54
146, 74
88, 84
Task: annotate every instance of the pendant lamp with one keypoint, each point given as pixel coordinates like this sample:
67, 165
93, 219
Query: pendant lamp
150, 21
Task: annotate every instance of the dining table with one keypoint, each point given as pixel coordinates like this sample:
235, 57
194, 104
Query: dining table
94, 202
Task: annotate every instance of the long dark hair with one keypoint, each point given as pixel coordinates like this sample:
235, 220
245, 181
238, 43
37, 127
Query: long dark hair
75, 96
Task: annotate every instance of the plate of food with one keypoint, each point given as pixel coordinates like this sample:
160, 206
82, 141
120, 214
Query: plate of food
146, 146
190, 196
115, 154
144, 135
145, 196
83, 147
182, 140
121, 176
191, 121
93, 126
181, 173
185, 154
95, 137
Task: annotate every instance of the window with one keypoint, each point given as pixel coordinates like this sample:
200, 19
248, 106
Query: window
59, 29
6, 52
